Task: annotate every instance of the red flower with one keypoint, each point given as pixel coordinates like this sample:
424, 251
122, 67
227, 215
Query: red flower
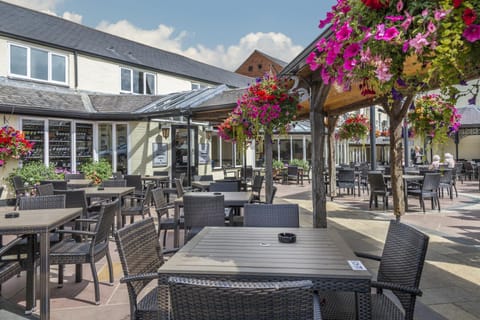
457, 3
376, 4
469, 16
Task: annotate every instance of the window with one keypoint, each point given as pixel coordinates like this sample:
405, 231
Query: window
250, 68
136, 81
37, 64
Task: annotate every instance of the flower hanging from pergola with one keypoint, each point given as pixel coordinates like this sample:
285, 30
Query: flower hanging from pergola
13, 144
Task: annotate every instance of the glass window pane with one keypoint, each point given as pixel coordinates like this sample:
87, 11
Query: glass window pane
215, 151
105, 141
39, 64
285, 150
149, 83
260, 154
126, 80
59, 66
297, 146
227, 154
137, 81
122, 148
18, 60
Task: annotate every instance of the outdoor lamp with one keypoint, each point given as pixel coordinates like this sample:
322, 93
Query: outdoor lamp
165, 132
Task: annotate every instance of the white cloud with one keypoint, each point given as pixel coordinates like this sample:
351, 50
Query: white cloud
277, 45
167, 38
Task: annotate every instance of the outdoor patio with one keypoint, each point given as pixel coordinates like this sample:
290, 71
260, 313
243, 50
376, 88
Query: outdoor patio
450, 280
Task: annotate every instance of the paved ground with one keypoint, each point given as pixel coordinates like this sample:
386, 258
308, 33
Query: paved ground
450, 281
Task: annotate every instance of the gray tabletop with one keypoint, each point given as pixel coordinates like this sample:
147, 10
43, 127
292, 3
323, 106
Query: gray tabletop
41, 222
202, 185
251, 254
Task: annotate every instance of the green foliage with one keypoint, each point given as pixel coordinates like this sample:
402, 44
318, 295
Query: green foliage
97, 171
277, 165
33, 172
300, 163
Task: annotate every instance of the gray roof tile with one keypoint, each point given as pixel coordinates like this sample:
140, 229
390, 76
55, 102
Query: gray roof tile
43, 28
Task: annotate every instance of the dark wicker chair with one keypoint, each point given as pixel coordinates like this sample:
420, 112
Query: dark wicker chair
141, 256
306, 173
57, 184
73, 176
20, 189
42, 202
90, 251
135, 180
400, 270
162, 206
200, 210
428, 190
114, 183
9, 268
271, 215
45, 189
378, 187
225, 186
196, 299
137, 205
117, 175
446, 182
257, 187
292, 174
346, 180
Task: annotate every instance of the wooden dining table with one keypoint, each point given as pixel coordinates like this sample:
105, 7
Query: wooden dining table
231, 199
255, 254
33, 222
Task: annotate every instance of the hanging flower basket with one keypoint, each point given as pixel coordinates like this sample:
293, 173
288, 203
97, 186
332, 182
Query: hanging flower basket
355, 127
431, 116
13, 144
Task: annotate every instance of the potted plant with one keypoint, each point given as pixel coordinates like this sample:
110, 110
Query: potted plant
97, 171
355, 127
13, 144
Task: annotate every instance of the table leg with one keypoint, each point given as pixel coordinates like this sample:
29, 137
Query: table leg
119, 215
30, 298
44, 276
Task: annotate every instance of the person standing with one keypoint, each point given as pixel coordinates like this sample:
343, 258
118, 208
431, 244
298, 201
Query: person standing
417, 155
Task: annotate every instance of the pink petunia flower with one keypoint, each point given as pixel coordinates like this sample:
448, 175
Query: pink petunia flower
408, 21
472, 33
386, 34
344, 33
431, 27
395, 18
399, 6
326, 21
440, 14
312, 61
351, 51
419, 42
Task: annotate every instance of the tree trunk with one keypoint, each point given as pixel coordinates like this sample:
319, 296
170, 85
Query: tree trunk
397, 110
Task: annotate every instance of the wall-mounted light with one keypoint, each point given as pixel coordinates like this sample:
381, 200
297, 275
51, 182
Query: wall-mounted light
165, 131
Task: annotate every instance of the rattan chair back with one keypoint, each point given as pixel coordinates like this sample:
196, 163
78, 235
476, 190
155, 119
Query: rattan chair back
42, 202
114, 183
402, 261
140, 253
271, 215
257, 186
75, 199
201, 209
221, 300
225, 186
179, 187
45, 189
134, 180
57, 184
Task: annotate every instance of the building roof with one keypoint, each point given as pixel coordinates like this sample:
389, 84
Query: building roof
33, 26
470, 116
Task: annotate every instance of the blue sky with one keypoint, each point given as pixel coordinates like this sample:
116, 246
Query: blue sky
216, 32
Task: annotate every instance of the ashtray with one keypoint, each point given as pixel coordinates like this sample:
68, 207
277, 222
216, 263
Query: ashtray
100, 188
286, 237
217, 193
13, 214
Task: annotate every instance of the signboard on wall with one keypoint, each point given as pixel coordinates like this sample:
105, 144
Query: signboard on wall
203, 154
160, 153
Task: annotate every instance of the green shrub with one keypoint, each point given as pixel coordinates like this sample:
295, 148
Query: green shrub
300, 163
277, 164
33, 172
97, 171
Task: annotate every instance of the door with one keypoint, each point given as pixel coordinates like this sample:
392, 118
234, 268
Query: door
180, 150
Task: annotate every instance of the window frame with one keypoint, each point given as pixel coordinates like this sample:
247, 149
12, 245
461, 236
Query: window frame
28, 76
145, 75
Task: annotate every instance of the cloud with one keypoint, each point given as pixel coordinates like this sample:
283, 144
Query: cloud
167, 38
164, 37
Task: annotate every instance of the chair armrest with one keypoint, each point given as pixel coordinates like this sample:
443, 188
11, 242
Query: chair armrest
368, 256
139, 277
85, 220
397, 287
10, 245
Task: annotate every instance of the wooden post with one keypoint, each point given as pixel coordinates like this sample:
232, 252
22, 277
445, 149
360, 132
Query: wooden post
319, 93
268, 167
